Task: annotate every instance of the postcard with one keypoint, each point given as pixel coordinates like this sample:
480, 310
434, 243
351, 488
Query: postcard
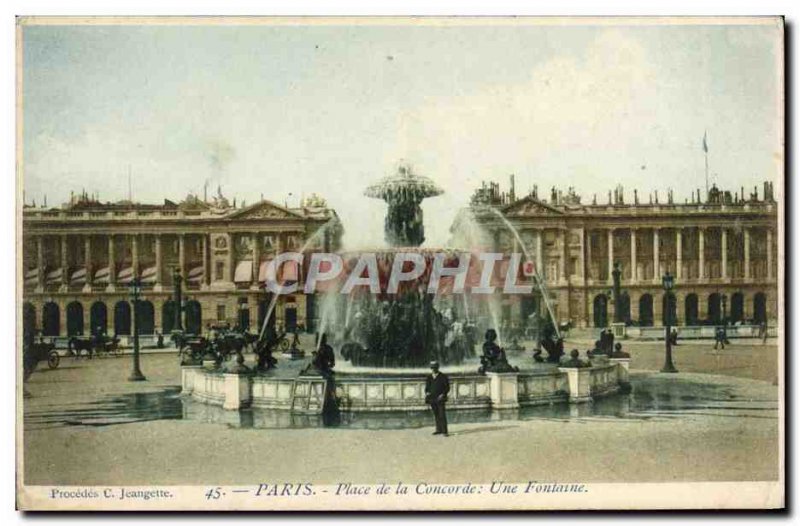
390, 264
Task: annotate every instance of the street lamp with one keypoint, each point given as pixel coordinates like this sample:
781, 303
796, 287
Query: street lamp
176, 281
136, 290
616, 277
668, 282
724, 310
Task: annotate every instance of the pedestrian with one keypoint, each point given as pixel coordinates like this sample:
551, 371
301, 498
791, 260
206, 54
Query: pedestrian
719, 338
437, 386
763, 330
674, 336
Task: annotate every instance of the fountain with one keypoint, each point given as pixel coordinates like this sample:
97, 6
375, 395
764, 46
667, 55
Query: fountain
405, 328
382, 331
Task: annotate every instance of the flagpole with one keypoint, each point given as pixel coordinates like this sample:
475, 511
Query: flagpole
706, 175
705, 150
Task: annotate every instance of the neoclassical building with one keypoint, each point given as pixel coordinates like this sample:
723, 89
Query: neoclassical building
78, 262
722, 251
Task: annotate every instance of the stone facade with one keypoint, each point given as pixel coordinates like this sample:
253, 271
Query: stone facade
723, 253
78, 262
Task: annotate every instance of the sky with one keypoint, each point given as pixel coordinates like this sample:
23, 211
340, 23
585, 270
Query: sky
287, 110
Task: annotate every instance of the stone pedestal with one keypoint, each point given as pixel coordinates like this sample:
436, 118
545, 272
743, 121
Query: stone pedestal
579, 380
188, 374
237, 390
503, 390
623, 368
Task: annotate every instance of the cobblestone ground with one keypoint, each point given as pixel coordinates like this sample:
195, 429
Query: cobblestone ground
715, 420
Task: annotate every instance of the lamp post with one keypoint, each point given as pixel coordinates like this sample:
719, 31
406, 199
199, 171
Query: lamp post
725, 317
668, 282
177, 279
724, 310
616, 276
136, 290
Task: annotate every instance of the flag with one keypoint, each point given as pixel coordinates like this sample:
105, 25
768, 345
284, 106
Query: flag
705, 142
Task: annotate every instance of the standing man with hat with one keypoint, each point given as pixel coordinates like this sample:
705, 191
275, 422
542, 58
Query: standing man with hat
437, 385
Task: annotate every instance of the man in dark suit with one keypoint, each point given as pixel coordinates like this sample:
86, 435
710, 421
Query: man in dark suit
437, 385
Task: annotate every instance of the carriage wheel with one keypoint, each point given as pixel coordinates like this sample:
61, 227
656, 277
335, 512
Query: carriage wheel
53, 360
284, 345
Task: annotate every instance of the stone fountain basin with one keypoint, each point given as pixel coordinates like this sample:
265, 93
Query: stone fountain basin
358, 391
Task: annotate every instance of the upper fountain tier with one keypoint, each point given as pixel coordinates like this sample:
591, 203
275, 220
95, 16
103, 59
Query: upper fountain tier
403, 192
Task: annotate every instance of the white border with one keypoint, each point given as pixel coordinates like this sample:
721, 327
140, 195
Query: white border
304, 7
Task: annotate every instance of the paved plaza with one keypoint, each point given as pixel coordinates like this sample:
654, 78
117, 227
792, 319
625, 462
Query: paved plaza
717, 419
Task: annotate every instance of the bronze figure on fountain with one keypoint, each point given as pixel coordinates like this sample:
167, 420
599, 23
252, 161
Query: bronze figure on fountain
403, 192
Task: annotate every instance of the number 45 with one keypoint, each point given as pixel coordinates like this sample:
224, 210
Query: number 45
213, 494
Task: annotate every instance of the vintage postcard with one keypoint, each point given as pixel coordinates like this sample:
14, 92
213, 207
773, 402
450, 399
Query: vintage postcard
400, 263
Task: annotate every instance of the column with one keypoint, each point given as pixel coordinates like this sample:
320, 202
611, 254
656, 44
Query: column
279, 243
256, 245
206, 272
583, 255
135, 254
182, 255
158, 285
64, 264
769, 254
634, 262
112, 266
589, 255
539, 260
747, 253
701, 251
40, 277
678, 253
610, 253
231, 247
87, 263
724, 250
562, 256
656, 270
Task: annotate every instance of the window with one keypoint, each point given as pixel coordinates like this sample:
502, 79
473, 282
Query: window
221, 312
219, 270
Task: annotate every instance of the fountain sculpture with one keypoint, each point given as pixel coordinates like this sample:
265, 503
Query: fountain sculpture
408, 328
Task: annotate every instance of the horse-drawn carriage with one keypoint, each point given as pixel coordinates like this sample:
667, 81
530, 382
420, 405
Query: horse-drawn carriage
99, 345
35, 352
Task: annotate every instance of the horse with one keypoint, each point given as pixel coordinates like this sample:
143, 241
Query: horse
75, 345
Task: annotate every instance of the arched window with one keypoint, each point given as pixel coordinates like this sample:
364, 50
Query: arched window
168, 316
646, 310
122, 318
737, 307
98, 318
623, 307
28, 322
51, 324
760, 307
600, 310
714, 309
690, 309
194, 317
74, 319
669, 309
146, 317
